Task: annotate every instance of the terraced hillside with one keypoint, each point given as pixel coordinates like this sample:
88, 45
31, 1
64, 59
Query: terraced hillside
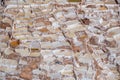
59, 40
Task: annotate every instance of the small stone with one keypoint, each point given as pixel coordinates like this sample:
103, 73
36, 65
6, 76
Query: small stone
44, 77
14, 43
44, 30
4, 25
76, 48
82, 35
81, 11
103, 7
74, 0
26, 75
85, 21
39, 20
110, 43
90, 6
68, 61
93, 40
47, 23
33, 65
